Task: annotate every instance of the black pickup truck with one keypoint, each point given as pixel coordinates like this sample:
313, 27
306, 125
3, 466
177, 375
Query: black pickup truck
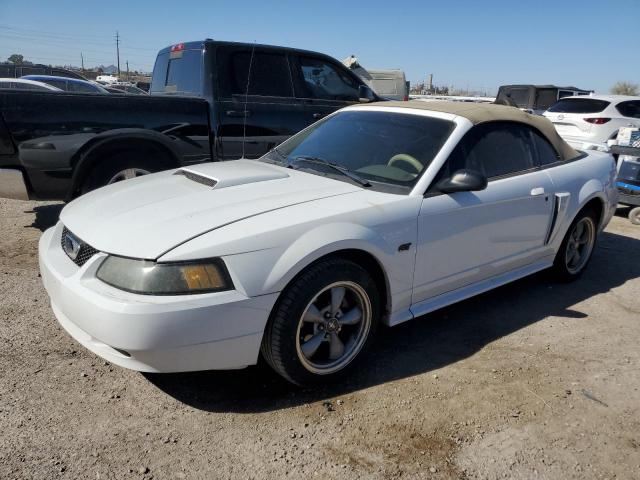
209, 101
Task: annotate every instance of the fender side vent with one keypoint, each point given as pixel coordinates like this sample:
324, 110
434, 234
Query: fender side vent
195, 177
553, 220
560, 205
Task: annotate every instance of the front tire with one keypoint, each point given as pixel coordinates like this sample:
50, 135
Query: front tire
323, 322
577, 247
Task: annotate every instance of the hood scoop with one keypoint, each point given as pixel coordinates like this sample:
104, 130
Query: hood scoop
197, 177
231, 173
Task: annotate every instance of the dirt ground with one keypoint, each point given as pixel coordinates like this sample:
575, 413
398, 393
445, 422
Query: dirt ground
535, 380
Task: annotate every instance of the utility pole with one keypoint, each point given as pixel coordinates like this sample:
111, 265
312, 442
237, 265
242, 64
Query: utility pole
127, 70
82, 61
118, 51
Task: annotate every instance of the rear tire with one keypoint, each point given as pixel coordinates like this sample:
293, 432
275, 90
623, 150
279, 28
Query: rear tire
120, 166
634, 215
323, 323
577, 247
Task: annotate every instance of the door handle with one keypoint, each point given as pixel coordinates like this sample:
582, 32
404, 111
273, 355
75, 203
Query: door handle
537, 191
239, 113
318, 115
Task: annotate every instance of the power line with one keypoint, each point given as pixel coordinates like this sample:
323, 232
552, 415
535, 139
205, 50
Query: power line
57, 34
44, 38
59, 41
53, 44
67, 38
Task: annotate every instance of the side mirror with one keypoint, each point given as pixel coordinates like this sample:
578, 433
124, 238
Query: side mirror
463, 181
365, 94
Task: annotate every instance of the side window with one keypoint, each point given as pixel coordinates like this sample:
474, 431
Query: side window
32, 71
324, 81
61, 84
500, 149
270, 76
61, 73
27, 86
493, 149
630, 108
81, 87
546, 153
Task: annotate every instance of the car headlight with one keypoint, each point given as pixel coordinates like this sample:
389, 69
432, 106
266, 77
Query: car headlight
152, 278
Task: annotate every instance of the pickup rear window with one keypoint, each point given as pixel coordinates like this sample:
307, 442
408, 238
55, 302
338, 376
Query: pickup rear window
178, 73
579, 105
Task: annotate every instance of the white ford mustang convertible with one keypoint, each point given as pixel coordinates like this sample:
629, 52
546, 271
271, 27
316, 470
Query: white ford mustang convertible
376, 214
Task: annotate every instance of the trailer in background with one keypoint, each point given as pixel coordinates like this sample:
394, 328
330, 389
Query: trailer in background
627, 147
390, 84
535, 98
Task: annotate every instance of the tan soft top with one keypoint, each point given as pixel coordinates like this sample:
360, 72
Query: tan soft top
488, 112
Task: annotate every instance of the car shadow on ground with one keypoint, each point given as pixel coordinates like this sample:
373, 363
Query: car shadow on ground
430, 342
46, 216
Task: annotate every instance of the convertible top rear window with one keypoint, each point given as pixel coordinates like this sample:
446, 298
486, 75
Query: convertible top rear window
384, 147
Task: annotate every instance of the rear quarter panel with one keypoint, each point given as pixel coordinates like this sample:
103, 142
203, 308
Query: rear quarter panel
592, 176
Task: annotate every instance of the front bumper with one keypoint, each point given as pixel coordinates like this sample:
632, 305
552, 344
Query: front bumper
181, 333
12, 184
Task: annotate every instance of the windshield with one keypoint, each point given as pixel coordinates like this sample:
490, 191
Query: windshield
383, 147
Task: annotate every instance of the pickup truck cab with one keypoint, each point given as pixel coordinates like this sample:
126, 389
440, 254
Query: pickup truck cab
210, 101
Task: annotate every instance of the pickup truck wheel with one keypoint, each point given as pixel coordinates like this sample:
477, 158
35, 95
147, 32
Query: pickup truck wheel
128, 173
117, 168
322, 323
576, 248
634, 216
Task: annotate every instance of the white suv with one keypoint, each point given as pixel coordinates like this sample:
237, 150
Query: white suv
586, 123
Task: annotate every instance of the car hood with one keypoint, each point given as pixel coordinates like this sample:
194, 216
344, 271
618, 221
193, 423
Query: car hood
147, 216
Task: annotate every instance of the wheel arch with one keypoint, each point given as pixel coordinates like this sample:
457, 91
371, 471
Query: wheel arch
596, 204
592, 195
356, 243
95, 151
366, 260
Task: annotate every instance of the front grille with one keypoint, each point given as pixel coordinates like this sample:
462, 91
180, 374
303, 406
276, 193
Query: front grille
84, 254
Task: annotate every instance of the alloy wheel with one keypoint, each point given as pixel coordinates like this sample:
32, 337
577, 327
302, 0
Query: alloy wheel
127, 174
580, 245
334, 327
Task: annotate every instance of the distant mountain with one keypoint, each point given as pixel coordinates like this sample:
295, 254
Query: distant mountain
110, 70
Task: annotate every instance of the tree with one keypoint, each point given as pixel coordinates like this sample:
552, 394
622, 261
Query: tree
16, 58
625, 88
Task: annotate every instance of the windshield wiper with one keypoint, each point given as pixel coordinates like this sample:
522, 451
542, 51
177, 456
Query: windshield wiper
338, 168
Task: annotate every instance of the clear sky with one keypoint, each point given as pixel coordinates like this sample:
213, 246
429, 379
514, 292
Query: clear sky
477, 45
